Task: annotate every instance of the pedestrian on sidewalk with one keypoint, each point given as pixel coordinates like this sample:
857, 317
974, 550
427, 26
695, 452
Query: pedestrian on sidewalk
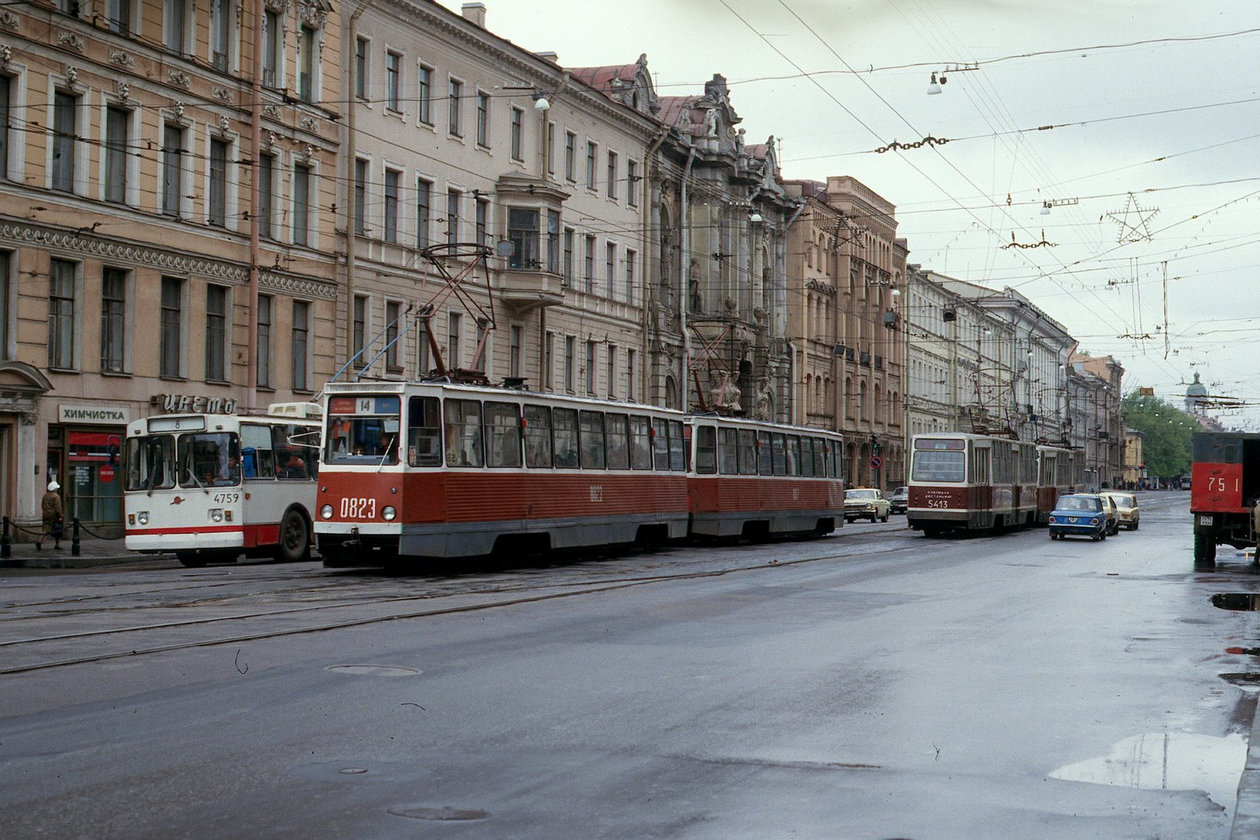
50, 510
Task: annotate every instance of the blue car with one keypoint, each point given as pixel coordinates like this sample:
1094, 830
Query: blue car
1079, 514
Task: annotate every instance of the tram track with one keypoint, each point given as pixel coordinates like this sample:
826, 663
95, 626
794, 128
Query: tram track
29, 648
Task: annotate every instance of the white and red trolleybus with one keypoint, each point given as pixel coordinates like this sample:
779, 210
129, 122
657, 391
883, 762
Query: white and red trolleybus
448, 470
971, 482
1060, 471
211, 487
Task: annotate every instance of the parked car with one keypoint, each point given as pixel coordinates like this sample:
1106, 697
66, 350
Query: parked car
1126, 509
1113, 514
899, 501
1079, 514
865, 503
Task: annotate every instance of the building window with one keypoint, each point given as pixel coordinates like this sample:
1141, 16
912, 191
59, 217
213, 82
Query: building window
632, 183
221, 18
119, 13
523, 234
629, 373
265, 303
307, 53
361, 68
483, 119
553, 241
216, 333
424, 94
590, 367
393, 81
393, 314
570, 351
631, 261
481, 223
6, 123
217, 210
612, 175
117, 121
175, 25
452, 216
392, 180
610, 267
273, 40
61, 280
360, 196
588, 265
455, 92
360, 330
549, 360
6, 260
65, 138
301, 344
570, 156
592, 156
518, 127
551, 148
113, 319
170, 345
301, 204
423, 362
172, 169
567, 267
424, 212
516, 337
610, 371
266, 193
453, 325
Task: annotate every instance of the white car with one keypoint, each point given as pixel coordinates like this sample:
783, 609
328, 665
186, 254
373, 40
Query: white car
866, 503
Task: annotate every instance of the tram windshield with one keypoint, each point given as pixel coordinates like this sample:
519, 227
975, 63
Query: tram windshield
363, 430
938, 465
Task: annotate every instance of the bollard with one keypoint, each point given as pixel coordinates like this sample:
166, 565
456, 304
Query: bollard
74, 537
6, 544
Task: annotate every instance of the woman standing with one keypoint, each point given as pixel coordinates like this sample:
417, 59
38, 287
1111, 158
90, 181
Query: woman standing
50, 510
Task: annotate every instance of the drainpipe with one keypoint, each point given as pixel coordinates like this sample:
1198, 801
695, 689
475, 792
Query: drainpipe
684, 280
255, 208
352, 242
645, 261
793, 417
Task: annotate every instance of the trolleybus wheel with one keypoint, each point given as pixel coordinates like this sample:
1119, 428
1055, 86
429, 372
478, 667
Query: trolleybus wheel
191, 559
1204, 550
295, 537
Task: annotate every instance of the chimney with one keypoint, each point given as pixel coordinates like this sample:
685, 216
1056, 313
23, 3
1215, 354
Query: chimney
549, 56
475, 12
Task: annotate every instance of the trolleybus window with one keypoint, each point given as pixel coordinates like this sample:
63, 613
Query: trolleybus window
209, 460
640, 443
592, 437
296, 450
537, 437
728, 451
618, 441
706, 449
565, 436
424, 432
150, 462
463, 433
258, 457
503, 435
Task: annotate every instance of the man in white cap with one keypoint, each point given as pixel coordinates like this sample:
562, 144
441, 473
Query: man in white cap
50, 509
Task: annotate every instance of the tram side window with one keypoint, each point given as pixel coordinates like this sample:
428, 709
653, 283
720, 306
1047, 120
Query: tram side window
424, 432
1048, 472
765, 452
538, 437
779, 450
706, 449
660, 443
463, 433
503, 435
618, 441
793, 455
566, 437
150, 462
591, 435
807, 457
822, 448
640, 443
747, 452
728, 451
981, 470
258, 456
677, 447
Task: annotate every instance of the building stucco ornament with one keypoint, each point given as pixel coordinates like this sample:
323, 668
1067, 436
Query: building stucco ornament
308, 154
278, 5
223, 122
72, 76
71, 41
6, 55
270, 141
178, 109
221, 93
9, 20
314, 13
272, 111
121, 58
124, 91
309, 123
179, 78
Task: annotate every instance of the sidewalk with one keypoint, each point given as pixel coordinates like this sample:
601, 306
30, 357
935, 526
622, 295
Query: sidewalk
92, 552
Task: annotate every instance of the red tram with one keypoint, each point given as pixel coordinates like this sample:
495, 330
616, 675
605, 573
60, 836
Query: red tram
1059, 471
446, 470
971, 482
1224, 491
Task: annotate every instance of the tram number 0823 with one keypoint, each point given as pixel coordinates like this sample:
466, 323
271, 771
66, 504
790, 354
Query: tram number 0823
358, 508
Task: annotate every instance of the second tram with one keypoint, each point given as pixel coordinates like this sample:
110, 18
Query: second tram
971, 482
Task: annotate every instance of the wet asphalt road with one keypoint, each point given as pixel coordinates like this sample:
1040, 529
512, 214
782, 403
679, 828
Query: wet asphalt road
873, 684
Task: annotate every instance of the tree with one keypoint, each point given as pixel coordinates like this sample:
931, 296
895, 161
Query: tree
1166, 433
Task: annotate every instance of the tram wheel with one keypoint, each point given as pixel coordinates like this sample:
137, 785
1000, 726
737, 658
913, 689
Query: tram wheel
295, 537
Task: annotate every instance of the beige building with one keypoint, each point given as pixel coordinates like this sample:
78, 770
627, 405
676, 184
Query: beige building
848, 271
139, 269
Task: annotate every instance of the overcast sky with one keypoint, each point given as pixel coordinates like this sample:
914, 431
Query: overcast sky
1155, 99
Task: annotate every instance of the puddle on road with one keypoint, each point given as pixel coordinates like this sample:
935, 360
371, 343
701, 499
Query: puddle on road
1237, 601
1169, 761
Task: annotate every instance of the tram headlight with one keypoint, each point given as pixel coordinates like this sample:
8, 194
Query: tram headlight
216, 514
143, 517
326, 512
389, 513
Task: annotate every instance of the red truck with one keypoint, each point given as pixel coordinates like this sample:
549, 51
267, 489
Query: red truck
1224, 491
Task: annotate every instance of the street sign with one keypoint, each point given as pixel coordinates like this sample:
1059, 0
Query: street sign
105, 473
876, 462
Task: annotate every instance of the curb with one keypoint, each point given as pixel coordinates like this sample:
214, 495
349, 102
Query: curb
1247, 809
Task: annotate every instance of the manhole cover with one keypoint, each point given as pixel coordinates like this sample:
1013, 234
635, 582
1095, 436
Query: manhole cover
446, 814
375, 670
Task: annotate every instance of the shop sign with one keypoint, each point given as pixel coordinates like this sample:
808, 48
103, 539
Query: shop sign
188, 404
83, 414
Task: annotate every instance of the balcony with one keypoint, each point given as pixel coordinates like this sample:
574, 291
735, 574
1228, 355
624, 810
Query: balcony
525, 288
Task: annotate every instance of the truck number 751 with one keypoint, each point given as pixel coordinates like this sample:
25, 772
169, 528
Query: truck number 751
1216, 484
